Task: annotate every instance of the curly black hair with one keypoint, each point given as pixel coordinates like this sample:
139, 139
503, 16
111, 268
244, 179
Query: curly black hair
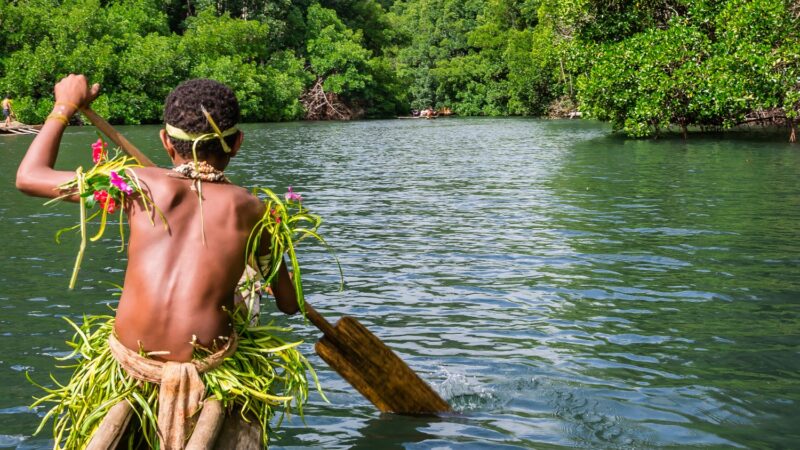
182, 110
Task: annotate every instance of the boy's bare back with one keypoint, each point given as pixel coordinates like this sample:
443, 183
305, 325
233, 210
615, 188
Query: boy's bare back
177, 288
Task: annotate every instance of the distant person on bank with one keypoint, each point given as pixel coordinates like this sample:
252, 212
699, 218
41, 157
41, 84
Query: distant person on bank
7, 111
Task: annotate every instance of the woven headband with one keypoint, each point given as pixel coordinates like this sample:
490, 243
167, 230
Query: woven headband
177, 133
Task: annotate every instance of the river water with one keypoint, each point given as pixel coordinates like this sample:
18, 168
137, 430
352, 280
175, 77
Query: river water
560, 286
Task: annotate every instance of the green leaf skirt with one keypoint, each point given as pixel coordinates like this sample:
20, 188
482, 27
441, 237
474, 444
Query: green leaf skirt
264, 374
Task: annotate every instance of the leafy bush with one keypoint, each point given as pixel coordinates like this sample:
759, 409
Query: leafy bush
717, 66
644, 66
335, 53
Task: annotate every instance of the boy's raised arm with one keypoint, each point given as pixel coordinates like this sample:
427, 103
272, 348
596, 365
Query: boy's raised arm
36, 175
285, 295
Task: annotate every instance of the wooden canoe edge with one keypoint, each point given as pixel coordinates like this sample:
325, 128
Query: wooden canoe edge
109, 433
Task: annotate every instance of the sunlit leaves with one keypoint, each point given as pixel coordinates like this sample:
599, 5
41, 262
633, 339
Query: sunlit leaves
713, 67
335, 52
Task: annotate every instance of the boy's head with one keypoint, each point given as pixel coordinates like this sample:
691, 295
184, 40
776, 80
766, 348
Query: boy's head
183, 110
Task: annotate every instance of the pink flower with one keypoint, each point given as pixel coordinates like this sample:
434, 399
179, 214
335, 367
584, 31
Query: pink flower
105, 201
98, 151
100, 196
292, 196
110, 205
119, 183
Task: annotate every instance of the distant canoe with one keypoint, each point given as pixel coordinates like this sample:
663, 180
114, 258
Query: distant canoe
420, 117
19, 128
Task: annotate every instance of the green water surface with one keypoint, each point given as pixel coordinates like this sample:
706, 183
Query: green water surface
562, 287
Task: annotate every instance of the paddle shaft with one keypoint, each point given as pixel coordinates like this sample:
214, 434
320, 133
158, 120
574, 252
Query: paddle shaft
117, 138
320, 322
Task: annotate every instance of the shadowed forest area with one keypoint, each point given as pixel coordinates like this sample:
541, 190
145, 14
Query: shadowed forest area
645, 66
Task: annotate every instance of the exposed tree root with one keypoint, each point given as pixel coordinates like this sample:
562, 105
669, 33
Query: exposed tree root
775, 117
321, 105
563, 108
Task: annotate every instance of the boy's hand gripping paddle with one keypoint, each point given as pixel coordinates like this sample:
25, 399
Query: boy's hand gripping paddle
351, 349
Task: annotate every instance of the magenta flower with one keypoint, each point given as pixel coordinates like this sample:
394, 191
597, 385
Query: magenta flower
98, 151
119, 183
292, 196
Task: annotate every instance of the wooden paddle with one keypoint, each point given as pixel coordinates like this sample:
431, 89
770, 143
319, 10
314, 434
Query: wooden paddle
115, 137
373, 368
348, 347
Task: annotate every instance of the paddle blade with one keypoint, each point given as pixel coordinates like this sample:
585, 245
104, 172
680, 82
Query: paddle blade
376, 371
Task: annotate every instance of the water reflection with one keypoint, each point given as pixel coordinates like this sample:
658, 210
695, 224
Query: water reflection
661, 297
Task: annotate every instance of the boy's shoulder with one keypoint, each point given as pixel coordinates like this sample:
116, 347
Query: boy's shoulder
160, 181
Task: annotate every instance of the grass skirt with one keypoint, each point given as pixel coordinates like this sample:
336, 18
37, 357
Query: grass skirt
263, 374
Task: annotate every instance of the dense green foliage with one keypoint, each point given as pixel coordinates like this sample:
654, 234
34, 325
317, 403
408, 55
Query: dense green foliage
268, 52
644, 66
712, 64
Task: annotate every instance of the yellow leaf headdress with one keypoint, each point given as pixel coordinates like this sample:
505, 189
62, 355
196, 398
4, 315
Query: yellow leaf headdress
177, 133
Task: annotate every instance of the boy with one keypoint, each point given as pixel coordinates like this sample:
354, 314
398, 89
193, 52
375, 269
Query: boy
179, 282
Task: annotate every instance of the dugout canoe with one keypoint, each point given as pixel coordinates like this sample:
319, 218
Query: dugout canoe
215, 430
17, 128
